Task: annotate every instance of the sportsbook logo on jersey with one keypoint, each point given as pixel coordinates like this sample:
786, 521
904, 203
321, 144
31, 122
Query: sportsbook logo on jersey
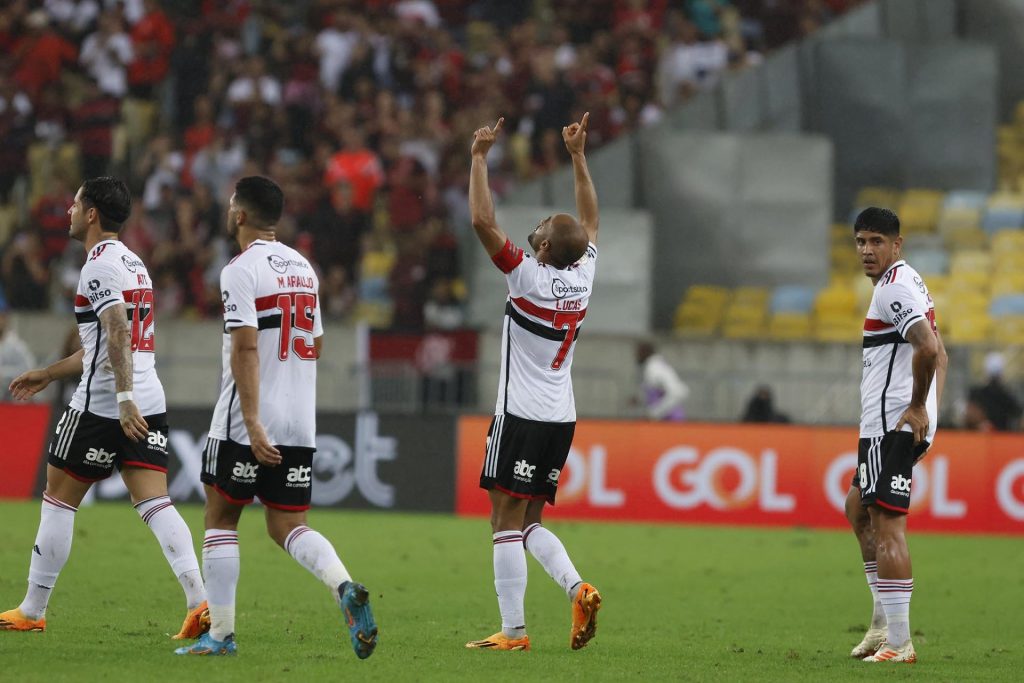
131, 264
560, 289
281, 265
228, 308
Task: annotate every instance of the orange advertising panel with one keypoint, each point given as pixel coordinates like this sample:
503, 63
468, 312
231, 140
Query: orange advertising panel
25, 428
758, 474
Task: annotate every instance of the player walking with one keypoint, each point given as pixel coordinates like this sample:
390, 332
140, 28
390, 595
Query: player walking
535, 415
117, 416
263, 433
904, 372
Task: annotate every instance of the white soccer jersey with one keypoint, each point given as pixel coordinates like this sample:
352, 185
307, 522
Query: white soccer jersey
113, 274
900, 299
273, 288
543, 316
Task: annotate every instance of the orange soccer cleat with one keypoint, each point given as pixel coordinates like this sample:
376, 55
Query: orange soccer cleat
14, 620
888, 653
584, 616
499, 641
197, 622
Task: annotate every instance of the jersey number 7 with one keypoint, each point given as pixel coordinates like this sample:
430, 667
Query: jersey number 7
296, 313
568, 322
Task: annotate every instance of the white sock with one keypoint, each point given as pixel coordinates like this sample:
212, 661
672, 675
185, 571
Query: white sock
510, 581
175, 540
895, 597
551, 554
221, 566
50, 553
877, 613
316, 554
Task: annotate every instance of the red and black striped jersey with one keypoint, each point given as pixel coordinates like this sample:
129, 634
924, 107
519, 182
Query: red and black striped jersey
113, 274
900, 300
273, 288
544, 313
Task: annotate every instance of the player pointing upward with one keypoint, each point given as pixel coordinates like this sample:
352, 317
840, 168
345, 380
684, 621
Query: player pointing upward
535, 415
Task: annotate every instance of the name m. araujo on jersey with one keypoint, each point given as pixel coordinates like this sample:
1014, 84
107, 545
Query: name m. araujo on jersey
899, 301
273, 288
543, 317
113, 274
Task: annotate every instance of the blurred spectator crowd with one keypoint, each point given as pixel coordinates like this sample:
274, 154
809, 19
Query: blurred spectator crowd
361, 109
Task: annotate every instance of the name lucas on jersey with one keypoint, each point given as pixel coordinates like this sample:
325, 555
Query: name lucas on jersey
290, 281
570, 305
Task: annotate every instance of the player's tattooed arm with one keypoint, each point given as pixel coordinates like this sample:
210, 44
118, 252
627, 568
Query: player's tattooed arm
481, 204
30, 383
926, 354
114, 319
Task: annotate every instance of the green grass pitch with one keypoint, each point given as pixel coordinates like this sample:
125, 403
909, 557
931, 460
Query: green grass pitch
680, 603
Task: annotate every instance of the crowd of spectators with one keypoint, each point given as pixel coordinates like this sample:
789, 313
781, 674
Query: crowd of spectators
361, 109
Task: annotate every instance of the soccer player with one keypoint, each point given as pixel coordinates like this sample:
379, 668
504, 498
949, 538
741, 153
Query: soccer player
904, 372
535, 415
263, 432
117, 416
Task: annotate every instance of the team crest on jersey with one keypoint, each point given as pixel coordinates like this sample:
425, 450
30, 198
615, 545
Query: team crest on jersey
99, 249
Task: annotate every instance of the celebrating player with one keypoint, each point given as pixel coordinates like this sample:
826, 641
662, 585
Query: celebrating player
262, 436
535, 415
904, 371
117, 416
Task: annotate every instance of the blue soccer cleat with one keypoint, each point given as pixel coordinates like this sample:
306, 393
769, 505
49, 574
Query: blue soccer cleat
206, 645
354, 600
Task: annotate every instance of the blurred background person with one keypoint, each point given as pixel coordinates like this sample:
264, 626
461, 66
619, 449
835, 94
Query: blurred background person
662, 392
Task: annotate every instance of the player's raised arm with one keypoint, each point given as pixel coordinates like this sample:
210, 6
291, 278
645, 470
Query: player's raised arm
114, 318
481, 205
575, 137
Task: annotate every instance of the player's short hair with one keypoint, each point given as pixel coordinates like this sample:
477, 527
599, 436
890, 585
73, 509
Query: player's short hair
262, 198
111, 199
874, 219
564, 253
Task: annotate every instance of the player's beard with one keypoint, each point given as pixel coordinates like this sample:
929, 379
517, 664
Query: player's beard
529, 240
232, 227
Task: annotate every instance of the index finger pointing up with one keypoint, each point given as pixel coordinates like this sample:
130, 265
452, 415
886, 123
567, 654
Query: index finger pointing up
497, 126
583, 121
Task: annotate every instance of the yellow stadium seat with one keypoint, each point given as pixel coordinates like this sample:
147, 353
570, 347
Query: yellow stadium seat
966, 238
835, 301
1008, 241
1008, 330
959, 218
1006, 200
839, 329
972, 261
1008, 282
789, 326
968, 328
